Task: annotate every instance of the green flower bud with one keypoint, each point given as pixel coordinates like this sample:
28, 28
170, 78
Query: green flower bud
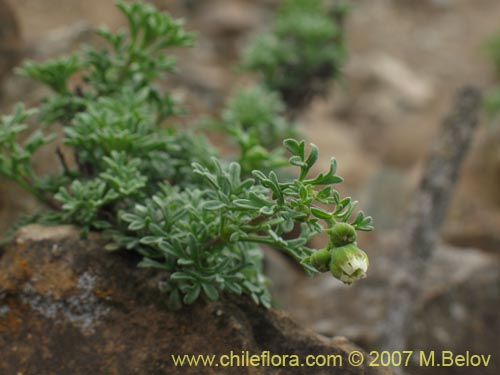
342, 234
348, 263
321, 260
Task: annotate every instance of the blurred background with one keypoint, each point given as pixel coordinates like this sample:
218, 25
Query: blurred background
406, 59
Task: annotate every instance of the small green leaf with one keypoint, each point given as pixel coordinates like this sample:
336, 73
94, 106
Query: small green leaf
151, 263
149, 240
213, 205
233, 287
192, 295
303, 193
320, 214
292, 145
297, 161
181, 276
210, 291
313, 156
267, 210
324, 193
246, 204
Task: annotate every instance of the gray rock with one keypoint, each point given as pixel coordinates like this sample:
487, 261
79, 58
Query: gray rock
387, 196
232, 18
63, 40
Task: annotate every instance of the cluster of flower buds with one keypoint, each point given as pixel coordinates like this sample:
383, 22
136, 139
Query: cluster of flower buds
341, 256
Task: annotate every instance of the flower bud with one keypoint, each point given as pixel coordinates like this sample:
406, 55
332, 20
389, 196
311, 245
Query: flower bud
342, 234
321, 260
348, 263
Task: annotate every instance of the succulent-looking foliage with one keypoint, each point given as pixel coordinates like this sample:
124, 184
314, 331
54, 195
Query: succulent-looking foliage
164, 193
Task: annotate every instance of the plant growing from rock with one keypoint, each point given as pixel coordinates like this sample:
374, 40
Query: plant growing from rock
302, 51
254, 120
166, 194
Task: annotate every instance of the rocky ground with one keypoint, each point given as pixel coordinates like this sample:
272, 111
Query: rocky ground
406, 60
66, 310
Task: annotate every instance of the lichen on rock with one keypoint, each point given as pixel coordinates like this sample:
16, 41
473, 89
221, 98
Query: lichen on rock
83, 309
106, 316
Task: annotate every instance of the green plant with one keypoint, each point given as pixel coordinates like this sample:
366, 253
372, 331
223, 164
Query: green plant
302, 51
163, 193
111, 122
254, 120
206, 237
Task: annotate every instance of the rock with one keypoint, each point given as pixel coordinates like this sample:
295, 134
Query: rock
285, 272
58, 42
388, 195
460, 311
437, 4
412, 88
10, 39
63, 40
71, 307
336, 138
474, 216
229, 18
457, 310
405, 87
473, 226
390, 103
444, 4
225, 24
